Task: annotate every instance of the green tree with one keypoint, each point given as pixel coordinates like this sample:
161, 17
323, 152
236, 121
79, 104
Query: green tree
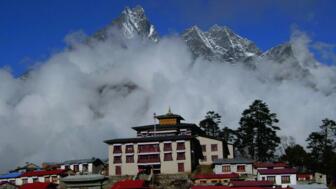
296, 156
228, 135
256, 136
211, 123
322, 148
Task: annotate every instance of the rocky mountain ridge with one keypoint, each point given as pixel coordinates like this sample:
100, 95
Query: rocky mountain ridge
219, 43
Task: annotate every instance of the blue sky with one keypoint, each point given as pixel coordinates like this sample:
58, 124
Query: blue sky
30, 31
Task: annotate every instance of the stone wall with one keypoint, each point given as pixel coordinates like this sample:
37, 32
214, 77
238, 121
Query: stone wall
172, 181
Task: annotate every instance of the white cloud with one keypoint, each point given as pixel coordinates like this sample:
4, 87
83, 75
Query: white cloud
92, 92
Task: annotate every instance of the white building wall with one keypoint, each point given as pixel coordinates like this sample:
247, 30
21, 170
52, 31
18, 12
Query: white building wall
126, 168
167, 167
90, 168
218, 169
209, 153
278, 179
41, 179
18, 181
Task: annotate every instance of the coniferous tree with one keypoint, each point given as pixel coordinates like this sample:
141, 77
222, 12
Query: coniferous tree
228, 135
211, 123
256, 136
322, 146
296, 156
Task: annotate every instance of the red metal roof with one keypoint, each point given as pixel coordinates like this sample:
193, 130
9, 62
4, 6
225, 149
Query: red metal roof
277, 171
216, 176
38, 185
43, 173
129, 184
211, 187
269, 164
250, 183
304, 174
223, 187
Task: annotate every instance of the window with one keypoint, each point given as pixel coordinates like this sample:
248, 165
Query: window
35, 179
180, 146
226, 168
168, 157
76, 168
180, 156
54, 179
214, 157
47, 179
285, 179
12, 181
85, 168
214, 147
148, 148
149, 158
180, 167
240, 168
118, 170
130, 159
116, 149
271, 178
24, 181
67, 167
117, 159
203, 148
129, 149
167, 147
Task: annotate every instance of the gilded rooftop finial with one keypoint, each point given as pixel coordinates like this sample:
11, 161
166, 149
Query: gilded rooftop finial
169, 111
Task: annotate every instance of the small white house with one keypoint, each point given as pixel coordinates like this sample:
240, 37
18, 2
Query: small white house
10, 177
239, 166
281, 177
52, 176
93, 165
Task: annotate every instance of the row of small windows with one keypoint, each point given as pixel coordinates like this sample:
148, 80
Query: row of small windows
180, 168
214, 148
227, 168
53, 179
149, 148
85, 167
284, 179
150, 158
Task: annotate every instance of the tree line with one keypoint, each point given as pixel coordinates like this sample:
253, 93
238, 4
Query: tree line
257, 138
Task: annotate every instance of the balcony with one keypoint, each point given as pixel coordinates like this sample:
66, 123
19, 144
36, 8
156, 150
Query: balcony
149, 148
167, 148
150, 160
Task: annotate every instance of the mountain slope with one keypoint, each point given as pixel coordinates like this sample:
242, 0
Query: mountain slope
219, 43
132, 22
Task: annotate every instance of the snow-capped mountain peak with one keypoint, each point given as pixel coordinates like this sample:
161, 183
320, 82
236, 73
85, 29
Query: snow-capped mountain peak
132, 22
219, 43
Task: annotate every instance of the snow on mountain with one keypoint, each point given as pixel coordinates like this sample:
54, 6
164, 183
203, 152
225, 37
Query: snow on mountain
132, 22
219, 43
